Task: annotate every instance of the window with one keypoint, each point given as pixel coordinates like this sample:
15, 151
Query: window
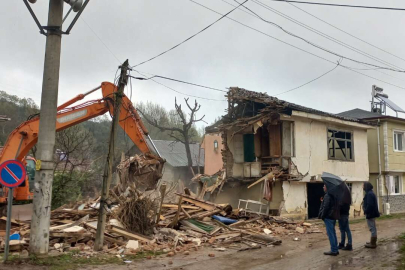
216, 145
340, 145
395, 184
399, 140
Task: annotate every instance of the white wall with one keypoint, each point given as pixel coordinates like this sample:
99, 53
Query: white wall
311, 151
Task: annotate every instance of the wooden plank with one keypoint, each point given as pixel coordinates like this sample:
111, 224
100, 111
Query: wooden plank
184, 206
176, 218
62, 227
162, 194
267, 176
203, 204
206, 214
115, 241
275, 139
130, 235
228, 235
185, 212
70, 234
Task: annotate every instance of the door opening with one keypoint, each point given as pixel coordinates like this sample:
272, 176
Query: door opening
315, 193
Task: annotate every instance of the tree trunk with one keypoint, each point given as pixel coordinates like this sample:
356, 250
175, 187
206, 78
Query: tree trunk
188, 151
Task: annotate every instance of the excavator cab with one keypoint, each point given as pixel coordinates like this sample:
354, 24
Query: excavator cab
30, 172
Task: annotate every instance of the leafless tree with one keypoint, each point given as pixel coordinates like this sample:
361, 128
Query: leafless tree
184, 131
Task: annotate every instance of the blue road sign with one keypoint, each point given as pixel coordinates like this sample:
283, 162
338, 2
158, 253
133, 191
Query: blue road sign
12, 173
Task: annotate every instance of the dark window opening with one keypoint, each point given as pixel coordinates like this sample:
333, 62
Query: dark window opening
315, 193
340, 145
249, 147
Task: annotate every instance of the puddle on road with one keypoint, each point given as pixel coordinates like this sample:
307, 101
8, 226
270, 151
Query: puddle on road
372, 257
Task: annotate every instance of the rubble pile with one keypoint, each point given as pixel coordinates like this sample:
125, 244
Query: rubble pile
139, 220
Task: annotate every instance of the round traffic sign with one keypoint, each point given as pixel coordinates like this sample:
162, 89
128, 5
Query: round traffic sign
12, 173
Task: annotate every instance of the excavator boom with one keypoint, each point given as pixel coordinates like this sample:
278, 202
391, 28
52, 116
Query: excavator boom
25, 136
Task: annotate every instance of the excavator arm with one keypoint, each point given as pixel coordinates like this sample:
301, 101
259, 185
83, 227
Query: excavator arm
25, 136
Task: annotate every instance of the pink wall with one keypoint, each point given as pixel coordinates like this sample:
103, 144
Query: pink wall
213, 157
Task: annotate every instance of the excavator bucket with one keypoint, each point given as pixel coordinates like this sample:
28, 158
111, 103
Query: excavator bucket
140, 172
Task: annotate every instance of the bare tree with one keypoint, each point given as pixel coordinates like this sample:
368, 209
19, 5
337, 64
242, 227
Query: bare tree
73, 161
184, 131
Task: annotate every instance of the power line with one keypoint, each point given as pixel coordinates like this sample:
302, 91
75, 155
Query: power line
174, 89
340, 5
295, 88
291, 45
318, 46
102, 42
323, 34
353, 36
180, 81
187, 39
320, 33
108, 49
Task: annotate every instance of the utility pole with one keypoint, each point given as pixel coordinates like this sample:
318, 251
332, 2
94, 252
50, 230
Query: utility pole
39, 239
98, 245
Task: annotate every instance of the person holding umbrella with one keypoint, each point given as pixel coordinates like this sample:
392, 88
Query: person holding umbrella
335, 195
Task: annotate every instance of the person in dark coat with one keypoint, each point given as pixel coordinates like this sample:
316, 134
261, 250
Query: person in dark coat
370, 207
344, 228
329, 213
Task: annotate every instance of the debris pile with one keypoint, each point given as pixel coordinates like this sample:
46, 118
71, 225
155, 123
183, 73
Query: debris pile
139, 220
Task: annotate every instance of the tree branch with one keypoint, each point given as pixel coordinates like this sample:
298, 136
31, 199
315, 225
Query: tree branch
155, 124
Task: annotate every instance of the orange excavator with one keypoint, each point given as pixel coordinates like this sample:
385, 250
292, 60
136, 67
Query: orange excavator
25, 136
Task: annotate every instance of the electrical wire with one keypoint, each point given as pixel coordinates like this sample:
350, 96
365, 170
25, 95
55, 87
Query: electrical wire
295, 88
339, 5
318, 46
180, 81
323, 34
187, 39
102, 42
296, 47
347, 33
330, 38
177, 90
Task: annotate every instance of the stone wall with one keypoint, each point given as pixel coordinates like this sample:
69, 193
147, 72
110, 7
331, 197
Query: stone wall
397, 203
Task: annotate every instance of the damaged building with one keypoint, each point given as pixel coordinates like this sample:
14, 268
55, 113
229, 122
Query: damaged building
277, 150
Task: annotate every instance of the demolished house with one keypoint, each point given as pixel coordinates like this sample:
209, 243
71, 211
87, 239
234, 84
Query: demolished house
278, 150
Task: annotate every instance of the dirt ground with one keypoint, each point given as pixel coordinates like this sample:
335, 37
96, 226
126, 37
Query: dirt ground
304, 254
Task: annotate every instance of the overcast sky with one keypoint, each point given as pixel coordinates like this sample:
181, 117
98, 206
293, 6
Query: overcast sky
225, 55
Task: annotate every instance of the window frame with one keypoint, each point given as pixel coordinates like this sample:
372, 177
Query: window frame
392, 191
395, 131
346, 140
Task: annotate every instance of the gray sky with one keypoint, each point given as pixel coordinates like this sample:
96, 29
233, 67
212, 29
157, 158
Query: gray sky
227, 54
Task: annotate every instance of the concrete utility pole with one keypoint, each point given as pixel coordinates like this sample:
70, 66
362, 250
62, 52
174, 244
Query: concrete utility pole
39, 239
98, 245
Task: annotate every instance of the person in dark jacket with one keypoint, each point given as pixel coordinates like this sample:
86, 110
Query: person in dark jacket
344, 228
370, 208
329, 213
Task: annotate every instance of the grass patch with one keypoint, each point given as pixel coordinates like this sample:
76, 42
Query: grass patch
71, 260
66, 261
143, 254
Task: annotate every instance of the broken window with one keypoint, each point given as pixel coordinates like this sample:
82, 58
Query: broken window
340, 145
